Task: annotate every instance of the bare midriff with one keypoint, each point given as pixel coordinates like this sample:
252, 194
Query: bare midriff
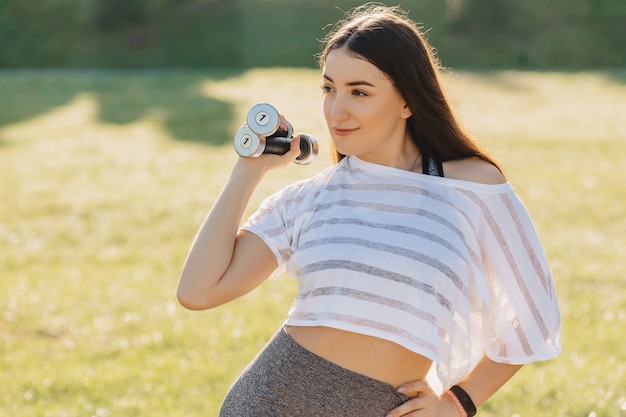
374, 357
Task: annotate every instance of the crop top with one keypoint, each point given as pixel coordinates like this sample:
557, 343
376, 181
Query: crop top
446, 268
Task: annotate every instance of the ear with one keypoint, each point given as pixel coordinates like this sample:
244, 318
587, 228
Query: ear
406, 112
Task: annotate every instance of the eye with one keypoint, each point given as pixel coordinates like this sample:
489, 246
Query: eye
359, 93
327, 89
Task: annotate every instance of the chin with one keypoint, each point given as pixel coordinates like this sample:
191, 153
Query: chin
344, 150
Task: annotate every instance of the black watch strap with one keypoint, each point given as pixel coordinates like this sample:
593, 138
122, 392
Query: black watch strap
464, 399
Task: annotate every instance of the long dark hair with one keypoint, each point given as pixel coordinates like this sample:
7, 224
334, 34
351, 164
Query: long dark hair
388, 39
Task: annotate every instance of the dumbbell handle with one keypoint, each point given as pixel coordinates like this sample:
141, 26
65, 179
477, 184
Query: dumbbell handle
280, 146
249, 144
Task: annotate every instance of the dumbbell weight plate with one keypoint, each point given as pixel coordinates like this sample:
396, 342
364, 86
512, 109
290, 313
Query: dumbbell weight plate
247, 143
308, 149
264, 119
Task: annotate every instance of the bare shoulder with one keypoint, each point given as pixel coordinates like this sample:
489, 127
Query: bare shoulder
473, 169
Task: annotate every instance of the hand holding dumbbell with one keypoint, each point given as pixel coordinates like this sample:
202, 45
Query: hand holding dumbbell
263, 134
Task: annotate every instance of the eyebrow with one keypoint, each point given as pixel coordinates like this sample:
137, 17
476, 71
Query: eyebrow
351, 83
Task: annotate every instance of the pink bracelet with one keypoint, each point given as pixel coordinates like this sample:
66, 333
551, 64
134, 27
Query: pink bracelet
457, 403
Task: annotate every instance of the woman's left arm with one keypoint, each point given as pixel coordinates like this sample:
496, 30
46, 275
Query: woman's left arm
484, 381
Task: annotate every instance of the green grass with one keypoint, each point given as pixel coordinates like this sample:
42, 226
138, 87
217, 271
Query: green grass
106, 177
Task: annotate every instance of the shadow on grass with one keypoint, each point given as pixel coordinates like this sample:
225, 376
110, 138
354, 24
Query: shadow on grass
174, 97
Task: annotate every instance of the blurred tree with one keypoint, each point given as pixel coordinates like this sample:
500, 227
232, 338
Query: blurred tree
483, 13
111, 14
244, 33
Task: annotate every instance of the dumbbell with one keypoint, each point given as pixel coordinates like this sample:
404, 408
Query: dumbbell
262, 133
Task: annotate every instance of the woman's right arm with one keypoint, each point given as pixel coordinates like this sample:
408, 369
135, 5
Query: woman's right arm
223, 262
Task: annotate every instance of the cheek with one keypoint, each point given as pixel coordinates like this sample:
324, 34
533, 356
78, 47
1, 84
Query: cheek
327, 106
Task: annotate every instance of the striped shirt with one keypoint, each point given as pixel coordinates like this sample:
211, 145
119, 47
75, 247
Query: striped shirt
449, 269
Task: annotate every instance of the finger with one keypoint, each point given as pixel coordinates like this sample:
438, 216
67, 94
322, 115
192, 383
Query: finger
284, 124
295, 145
414, 388
412, 405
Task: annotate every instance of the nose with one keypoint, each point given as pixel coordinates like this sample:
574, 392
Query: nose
336, 108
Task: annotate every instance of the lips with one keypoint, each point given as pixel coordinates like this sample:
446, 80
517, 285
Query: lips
343, 131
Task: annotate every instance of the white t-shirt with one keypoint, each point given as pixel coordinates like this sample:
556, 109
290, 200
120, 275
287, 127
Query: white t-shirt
449, 269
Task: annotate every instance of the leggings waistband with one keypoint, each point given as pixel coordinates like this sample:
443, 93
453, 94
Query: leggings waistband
287, 380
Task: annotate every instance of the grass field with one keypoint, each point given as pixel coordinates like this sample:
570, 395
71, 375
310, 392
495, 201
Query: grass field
105, 177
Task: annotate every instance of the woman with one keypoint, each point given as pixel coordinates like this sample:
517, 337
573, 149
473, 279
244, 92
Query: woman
412, 251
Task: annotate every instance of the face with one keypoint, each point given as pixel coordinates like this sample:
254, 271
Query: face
364, 112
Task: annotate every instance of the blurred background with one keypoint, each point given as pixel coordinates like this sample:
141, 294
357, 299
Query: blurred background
116, 127
268, 33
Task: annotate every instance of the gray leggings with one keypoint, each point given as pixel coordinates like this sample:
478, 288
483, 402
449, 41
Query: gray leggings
286, 380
